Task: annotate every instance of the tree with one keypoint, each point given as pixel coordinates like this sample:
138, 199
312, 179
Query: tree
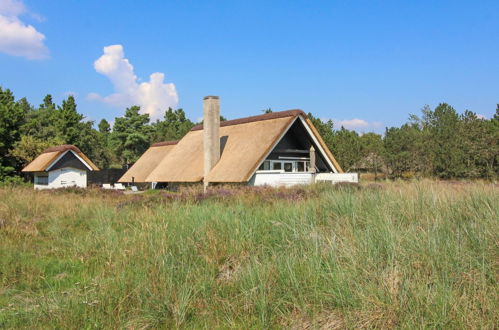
400, 144
445, 130
131, 135
347, 148
68, 121
174, 126
40, 123
12, 117
104, 127
29, 147
372, 151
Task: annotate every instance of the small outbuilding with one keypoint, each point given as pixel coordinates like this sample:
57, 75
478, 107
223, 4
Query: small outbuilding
59, 167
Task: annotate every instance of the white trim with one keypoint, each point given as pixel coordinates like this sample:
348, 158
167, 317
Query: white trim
314, 139
62, 155
293, 158
335, 170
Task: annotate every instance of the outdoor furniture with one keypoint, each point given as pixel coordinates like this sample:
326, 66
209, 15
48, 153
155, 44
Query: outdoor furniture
107, 186
119, 186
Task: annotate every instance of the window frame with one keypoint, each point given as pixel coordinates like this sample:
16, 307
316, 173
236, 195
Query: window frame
273, 165
37, 178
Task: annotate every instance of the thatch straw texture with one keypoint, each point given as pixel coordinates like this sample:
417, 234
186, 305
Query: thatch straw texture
44, 160
324, 145
246, 144
40, 163
148, 162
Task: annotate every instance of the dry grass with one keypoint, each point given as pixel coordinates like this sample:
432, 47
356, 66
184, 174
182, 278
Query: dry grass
386, 255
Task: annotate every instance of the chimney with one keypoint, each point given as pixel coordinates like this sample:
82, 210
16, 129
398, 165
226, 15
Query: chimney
211, 135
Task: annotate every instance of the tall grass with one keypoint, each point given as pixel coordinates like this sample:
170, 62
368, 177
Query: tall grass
406, 255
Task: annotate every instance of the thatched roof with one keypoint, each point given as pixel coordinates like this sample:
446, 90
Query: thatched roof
148, 162
49, 155
245, 144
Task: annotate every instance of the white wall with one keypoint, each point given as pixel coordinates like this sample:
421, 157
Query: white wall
278, 178
65, 177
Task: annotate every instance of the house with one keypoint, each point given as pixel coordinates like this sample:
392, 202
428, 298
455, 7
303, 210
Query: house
59, 167
138, 173
279, 148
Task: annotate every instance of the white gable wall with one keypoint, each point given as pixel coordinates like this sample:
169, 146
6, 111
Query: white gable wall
65, 177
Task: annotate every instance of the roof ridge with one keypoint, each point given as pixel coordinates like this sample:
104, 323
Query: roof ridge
62, 147
266, 116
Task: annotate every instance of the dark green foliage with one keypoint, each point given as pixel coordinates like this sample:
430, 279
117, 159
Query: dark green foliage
131, 135
441, 143
104, 127
373, 151
174, 126
12, 117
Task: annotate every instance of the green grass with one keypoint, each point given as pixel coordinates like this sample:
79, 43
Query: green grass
395, 255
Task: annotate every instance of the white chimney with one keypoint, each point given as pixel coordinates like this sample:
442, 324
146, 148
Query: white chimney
211, 135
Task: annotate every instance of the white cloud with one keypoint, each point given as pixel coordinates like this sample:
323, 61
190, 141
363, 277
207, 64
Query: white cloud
154, 96
356, 124
479, 116
16, 37
351, 123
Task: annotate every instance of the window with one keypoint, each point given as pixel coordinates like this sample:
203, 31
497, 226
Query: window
265, 166
289, 166
42, 179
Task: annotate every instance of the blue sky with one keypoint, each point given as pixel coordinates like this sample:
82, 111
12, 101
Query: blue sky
366, 64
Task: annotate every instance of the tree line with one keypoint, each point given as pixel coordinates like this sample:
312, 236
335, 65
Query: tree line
439, 143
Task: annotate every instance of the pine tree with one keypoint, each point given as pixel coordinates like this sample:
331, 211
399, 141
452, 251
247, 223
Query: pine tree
12, 117
174, 126
131, 135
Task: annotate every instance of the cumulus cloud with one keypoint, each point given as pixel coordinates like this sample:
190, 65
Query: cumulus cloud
153, 96
16, 37
359, 125
352, 123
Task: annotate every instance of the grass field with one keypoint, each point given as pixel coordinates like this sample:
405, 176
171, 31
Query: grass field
391, 255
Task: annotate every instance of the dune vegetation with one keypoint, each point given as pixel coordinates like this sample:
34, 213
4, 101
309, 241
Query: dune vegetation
420, 254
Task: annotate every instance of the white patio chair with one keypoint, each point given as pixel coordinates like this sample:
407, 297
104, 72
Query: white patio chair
119, 186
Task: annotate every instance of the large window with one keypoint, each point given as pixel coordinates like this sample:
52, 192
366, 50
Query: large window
285, 166
42, 179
